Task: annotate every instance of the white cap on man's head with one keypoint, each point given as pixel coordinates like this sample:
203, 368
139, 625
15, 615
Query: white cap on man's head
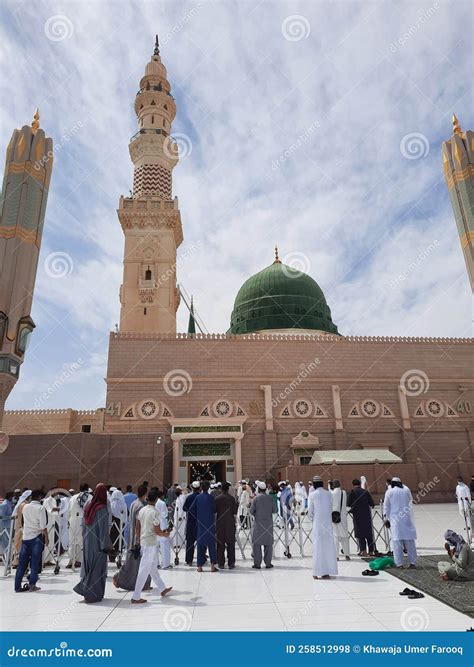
196, 484
261, 485
396, 479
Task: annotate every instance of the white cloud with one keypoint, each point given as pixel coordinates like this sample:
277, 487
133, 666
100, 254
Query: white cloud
346, 197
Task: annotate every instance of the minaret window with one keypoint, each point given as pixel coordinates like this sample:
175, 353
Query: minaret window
164, 122
153, 120
148, 274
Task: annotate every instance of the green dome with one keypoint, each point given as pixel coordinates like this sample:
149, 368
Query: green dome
280, 297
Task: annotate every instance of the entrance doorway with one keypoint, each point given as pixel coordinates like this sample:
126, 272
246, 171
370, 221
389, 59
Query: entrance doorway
206, 470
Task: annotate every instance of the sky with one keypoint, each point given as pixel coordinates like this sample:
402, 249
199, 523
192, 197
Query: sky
314, 125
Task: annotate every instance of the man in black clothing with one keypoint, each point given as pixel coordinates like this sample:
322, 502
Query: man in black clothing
226, 510
361, 503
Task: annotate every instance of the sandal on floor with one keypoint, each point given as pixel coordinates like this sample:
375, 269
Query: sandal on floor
416, 596
407, 591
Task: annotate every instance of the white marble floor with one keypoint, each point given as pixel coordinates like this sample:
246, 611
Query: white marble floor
282, 599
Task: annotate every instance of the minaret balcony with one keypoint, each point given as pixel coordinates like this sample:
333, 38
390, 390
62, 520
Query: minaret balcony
150, 131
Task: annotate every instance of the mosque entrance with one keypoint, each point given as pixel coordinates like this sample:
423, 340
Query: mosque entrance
206, 470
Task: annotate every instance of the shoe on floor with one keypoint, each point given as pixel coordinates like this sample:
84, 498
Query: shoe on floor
416, 596
268, 567
256, 567
166, 591
412, 567
140, 601
407, 591
33, 589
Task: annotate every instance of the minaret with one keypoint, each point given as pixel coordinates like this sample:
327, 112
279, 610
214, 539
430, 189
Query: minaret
458, 166
150, 217
192, 320
28, 166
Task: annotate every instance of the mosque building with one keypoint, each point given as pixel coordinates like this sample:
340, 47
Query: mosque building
283, 394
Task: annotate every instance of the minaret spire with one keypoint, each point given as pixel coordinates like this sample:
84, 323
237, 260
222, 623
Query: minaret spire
277, 259
456, 126
35, 122
156, 52
192, 321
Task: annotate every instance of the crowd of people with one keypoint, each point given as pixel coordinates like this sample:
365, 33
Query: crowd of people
95, 527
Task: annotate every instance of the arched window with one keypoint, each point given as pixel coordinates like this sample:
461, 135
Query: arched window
164, 122
148, 274
153, 120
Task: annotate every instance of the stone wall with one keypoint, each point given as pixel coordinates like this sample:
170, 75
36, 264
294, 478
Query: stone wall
37, 461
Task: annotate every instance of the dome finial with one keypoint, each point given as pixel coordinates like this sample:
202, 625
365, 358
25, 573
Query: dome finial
156, 52
456, 126
35, 122
277, 259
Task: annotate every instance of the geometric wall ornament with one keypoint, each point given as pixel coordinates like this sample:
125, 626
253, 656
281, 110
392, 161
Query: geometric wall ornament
370, 408
302, 408
240, 412
420, 411
222, 408
205, 412
319, 411
285, 411
148, 409
434, 408
166, 412
386, 412
450, 411
354, 411
129, 413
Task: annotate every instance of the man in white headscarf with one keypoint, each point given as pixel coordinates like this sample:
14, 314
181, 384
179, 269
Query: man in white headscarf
463, 496
300, 498
339, 519
53, 547
164, 542
320, 512
119, 510
244, 505
75, 516
398, 514
17, 516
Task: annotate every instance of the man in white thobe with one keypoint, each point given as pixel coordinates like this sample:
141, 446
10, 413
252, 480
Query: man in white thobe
341, 530
164, 542
398, 512
51, 550
244, 505
320, 513
75, 516
463, 496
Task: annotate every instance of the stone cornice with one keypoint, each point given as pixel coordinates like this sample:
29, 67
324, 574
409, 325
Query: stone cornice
326, 338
